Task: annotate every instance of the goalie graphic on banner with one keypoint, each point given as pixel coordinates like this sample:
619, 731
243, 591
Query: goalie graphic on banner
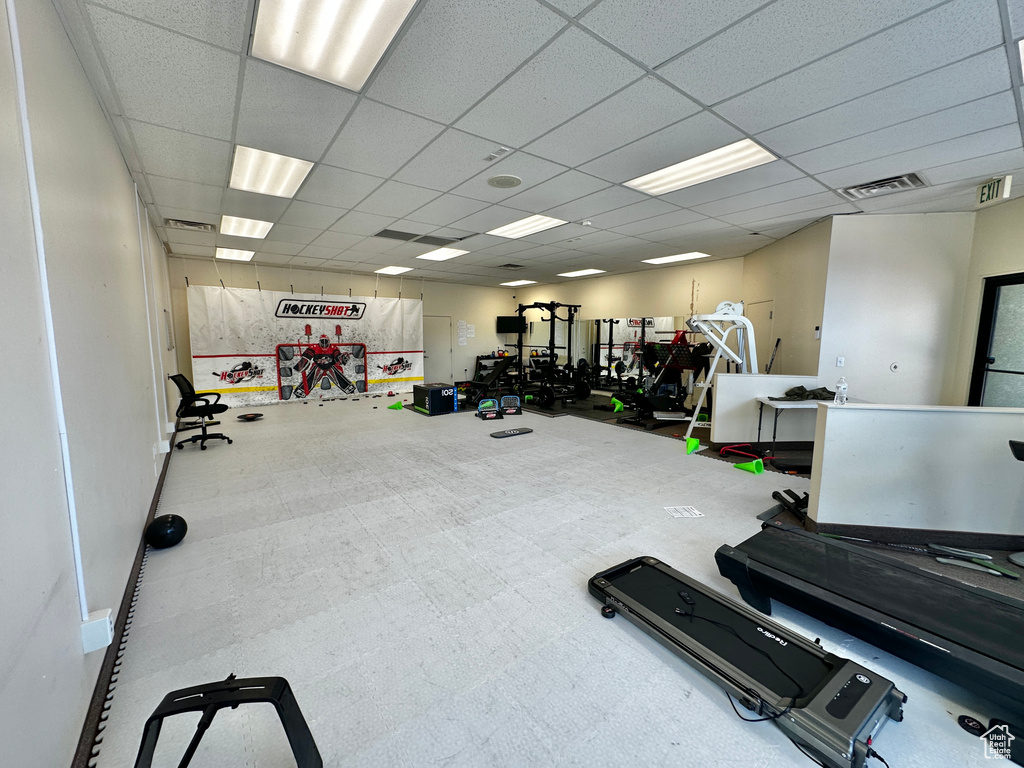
321, 364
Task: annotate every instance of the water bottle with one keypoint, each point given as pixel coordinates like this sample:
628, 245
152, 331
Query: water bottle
841, 391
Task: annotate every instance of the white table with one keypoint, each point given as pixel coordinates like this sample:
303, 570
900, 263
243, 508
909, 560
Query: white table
778, 406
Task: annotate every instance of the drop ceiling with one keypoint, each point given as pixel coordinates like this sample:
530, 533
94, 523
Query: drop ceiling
586, 96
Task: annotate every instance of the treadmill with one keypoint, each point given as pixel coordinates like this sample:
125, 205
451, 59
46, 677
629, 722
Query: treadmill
966, 634
830, 707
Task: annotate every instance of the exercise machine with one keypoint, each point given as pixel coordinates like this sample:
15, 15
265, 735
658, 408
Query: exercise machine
967, 634
551, 383
830, 707
717, 327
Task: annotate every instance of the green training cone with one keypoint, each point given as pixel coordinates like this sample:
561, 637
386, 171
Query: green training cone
756, 466
692, 444
395, 406
617, 405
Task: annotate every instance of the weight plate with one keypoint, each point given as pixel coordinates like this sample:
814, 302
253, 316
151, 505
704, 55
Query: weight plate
582, 389
545, 397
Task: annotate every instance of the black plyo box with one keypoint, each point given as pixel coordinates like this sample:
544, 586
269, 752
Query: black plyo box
435, 399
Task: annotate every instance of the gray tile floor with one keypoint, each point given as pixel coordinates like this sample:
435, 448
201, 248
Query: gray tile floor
423, 588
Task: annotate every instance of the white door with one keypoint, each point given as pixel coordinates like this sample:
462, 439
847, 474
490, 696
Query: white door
761, 315
437, 350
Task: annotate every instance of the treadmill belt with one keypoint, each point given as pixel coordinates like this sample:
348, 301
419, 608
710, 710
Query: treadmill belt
784, 668
980, 620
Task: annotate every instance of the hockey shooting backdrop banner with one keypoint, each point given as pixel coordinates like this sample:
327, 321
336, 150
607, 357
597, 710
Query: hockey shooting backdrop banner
257, 347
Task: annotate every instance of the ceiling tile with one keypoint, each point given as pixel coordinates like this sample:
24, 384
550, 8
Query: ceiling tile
951, 32
952, 151
989, 165
221, 23
379, 140
179, 155
532, 170
450, 160
569, 186
989, 112
567, 77
749, 180
629, 213
336, 241
457, 50
676, 218
689, 138
415, 227
250, 205
446, 209
478, 242
939, 89
284, 234
301, 214
274, 259
375, 245
572, 7
621, 245
193, 250
662, 29
672, 235
644, 107
337, 187
187, 237
600, 202
168, 79
319, 252
790, 208
397, 199
305, 261
766, 196
185, 194
489, 218
1016, 9
559, 234
360, 223
291, 114
283, 249
780, 37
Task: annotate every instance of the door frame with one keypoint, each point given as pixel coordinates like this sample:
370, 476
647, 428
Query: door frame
451, 346
986, 327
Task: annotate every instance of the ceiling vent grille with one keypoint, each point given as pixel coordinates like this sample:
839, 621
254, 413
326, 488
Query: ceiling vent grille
194, 226
511, 267
394, 234
882, 187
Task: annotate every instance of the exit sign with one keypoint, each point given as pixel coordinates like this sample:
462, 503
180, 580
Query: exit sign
994, 190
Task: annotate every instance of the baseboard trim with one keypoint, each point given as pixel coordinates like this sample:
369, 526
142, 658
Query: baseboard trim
89, 741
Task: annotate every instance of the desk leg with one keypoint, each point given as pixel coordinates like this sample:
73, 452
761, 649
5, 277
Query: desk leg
760, 412
775, 429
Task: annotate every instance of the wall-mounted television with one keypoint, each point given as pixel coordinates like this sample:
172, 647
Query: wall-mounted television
511, 324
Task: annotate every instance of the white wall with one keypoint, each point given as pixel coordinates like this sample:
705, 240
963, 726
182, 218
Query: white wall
997, 249
933, 468
93, 257
477, 305
791, 274
894, 294
735, 411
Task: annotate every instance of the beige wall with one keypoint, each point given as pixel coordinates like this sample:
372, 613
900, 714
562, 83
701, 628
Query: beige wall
997, 249
477, 305
791, 273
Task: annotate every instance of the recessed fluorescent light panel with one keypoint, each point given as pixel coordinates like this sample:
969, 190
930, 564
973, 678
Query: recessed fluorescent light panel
581, 273
392, 270
677, 257
339, 41
442, 254
233, 225
233, 254
257, 171
527, 226
517, 283
711, 165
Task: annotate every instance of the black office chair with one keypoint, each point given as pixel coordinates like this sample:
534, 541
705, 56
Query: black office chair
197, 405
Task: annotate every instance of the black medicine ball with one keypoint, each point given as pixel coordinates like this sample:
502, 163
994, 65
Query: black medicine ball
166, 531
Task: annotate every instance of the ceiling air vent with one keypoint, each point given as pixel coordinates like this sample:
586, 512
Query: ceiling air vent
394, 234
438, 241
512, 267
882, 187
194, 226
